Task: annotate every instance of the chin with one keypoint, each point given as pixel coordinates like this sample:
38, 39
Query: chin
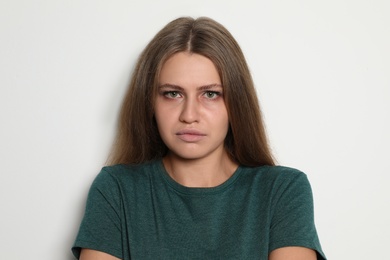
188, 157
192, 155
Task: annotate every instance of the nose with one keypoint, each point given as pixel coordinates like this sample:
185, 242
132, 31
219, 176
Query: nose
190, 111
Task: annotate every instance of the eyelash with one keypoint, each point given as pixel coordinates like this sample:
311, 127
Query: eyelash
169, 94
173, 94
215, 94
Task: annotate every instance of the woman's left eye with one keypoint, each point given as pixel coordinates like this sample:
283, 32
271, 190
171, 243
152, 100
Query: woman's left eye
212, 94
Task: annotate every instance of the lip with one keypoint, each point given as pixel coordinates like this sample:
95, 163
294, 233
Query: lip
190, 135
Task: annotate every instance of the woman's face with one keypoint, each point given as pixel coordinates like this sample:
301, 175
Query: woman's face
190, 110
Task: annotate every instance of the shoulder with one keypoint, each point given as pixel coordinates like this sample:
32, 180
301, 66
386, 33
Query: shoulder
120, 171
129, 168
273, 173
276, 179
122, 175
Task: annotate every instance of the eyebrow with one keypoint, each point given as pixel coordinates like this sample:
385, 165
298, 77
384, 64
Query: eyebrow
201, 88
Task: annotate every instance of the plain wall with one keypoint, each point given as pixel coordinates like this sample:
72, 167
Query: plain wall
322, 73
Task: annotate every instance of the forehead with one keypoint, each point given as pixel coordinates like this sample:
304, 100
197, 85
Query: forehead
189, 69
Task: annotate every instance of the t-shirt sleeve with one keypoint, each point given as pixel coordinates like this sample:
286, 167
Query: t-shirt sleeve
292, 222
100, 228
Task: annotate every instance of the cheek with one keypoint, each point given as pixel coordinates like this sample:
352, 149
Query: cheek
158, 112
159, 121
163, 122
158, 118
220, 117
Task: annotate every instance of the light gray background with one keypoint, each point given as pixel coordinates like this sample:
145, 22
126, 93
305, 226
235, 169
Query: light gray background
321, 69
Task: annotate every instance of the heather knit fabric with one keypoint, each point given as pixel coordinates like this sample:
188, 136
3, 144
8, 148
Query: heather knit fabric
140, 212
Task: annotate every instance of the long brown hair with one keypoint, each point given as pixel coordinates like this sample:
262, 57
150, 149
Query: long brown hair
138, 139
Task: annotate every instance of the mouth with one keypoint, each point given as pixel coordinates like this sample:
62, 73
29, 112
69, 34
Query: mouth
190, 135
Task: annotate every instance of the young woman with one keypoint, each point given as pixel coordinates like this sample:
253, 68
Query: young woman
191, 175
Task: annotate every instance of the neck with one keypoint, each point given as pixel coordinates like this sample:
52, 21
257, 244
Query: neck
205, 172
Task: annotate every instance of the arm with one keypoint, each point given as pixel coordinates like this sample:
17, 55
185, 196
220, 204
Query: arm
293, 234
100, 228
89, 254
293, 253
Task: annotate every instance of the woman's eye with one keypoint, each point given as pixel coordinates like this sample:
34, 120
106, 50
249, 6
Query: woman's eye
171, 94
212, 94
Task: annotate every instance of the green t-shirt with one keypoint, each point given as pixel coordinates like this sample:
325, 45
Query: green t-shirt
140, 212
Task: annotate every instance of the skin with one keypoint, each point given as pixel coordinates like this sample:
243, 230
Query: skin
192, 119
193, 122
89, 254
285, 253
293, 253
